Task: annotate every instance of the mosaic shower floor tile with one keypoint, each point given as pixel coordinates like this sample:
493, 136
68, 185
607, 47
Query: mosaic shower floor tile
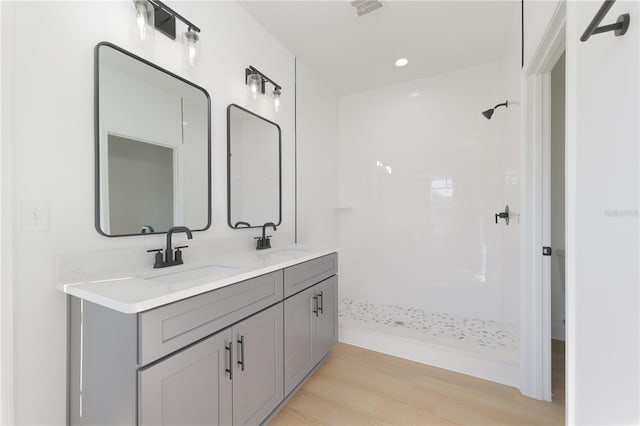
437, 325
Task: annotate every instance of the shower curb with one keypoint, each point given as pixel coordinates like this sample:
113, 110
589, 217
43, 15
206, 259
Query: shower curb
453, 359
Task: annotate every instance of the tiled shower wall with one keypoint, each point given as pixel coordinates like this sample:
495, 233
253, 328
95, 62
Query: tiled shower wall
422, 174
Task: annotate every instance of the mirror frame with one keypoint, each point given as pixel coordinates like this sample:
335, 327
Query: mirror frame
96, 127
229, 166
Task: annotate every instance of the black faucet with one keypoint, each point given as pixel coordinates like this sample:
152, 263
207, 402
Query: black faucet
170, 258
264, 242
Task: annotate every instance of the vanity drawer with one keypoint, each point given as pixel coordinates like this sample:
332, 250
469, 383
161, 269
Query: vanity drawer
304, 275
171, 327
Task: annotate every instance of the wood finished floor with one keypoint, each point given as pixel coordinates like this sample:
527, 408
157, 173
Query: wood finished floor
360, 387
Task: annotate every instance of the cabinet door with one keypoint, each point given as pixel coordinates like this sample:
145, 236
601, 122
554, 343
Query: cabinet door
258, 375
298, 338
190, 387
326, 323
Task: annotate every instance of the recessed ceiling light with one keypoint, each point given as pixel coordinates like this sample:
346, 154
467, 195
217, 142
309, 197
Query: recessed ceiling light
402, 62
414, 94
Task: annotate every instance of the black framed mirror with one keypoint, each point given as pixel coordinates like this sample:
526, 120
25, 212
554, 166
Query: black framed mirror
254, 169
152, 147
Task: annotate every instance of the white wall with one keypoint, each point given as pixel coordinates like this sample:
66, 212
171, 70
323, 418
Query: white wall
317, 160
52, 62
134, 108
422, 172
557, 200
603, 229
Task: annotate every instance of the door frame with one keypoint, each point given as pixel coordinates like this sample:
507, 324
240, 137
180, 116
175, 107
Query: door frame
535, 297
6, 217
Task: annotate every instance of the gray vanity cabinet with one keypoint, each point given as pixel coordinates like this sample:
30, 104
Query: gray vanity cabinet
188, 388
325, 332
257, 374
229, 356
298, 338
195, 386
311, 330
304, 275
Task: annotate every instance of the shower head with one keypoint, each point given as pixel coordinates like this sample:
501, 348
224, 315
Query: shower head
489, 113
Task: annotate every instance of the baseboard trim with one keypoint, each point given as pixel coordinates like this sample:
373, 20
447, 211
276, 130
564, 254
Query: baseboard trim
502, 372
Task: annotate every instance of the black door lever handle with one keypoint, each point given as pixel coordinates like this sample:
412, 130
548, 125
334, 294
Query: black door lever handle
503, 215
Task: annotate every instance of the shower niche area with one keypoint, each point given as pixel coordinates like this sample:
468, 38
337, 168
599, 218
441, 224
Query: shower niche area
427, 273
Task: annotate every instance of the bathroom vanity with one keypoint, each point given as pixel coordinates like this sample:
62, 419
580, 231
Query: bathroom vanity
206, 344
195, 343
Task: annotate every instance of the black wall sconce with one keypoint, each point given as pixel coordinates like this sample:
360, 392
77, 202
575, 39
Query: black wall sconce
156, 14
257, 82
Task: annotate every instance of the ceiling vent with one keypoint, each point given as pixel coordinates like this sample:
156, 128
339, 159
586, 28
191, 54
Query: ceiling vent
366, 6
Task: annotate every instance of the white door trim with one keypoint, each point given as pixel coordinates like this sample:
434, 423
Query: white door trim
535, 298
6, 216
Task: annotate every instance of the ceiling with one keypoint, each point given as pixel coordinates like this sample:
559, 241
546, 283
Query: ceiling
354, 54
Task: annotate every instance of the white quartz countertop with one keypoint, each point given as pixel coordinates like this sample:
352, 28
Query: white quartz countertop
155, 288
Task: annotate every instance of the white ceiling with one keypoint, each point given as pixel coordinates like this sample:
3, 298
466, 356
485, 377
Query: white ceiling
354, 53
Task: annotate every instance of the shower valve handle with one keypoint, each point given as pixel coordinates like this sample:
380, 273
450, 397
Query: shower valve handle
503, 215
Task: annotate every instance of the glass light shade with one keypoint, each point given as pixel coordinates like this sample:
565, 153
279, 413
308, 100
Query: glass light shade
144, 19
190, 40
276, 98
254, 81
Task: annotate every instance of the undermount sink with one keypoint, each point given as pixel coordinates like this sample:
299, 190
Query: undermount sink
210, 271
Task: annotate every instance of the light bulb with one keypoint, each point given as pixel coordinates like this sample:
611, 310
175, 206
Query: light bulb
144, 18
190, 40
254, 81
276, 98
141, 22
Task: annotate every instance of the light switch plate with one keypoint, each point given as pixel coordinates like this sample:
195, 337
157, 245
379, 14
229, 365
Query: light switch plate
35, 216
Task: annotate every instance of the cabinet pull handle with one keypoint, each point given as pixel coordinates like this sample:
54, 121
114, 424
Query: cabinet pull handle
321, 303
241, 348
229, 349
315, 304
